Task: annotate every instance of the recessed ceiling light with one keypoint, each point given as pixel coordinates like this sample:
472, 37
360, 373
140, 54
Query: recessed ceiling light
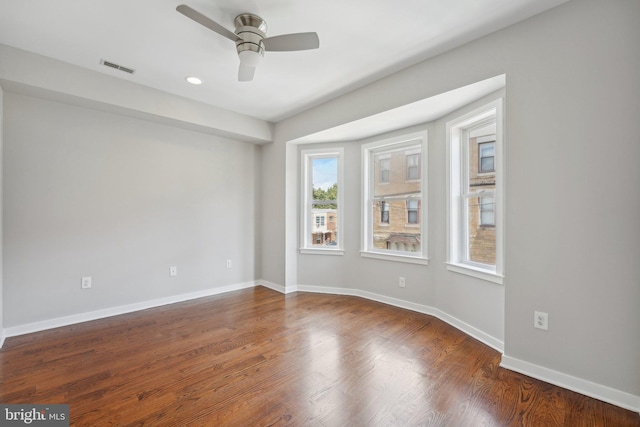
193, 80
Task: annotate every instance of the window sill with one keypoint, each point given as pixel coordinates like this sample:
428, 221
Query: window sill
394, 257
321, 251
478, 273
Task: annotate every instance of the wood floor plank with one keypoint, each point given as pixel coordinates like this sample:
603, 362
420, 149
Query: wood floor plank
259, 358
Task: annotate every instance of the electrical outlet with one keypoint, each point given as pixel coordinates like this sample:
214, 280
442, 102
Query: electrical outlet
402, 282
541, 320
173, 270
228, 263
86, 282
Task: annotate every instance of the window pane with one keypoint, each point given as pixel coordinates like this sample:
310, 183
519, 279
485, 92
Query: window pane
394, 235
324, 204
486, 164
486, 149
384, 212
412, 211
487, 156
413, 166
487, 216
481, 240
383, 169
480, 219
395, 192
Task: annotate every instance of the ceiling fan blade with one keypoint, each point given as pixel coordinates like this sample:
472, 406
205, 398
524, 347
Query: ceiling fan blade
246, 73
296, 41
203, 20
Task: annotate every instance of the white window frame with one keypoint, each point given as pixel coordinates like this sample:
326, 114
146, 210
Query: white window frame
457, 131
306, 217
368, 176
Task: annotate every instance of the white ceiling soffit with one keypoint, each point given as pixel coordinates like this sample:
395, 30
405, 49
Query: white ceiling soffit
423, 111
360, 42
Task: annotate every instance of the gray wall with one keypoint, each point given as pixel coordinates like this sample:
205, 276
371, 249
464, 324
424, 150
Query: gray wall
474, 302
90, 193
351, 270
572, 199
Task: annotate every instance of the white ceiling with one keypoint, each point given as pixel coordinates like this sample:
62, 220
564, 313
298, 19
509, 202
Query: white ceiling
360, 41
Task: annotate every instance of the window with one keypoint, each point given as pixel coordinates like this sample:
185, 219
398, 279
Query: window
384, 164
413, 166
487, 211
486, 154
384, 212
393, 191
412, 211
321, 226
475, 183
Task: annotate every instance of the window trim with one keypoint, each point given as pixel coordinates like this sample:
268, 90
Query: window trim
368, 219
455, 177
306, 192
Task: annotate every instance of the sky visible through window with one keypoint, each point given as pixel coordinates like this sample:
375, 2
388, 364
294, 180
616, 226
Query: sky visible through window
325, 172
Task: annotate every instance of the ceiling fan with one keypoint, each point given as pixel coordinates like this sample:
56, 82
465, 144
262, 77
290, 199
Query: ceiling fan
250, 38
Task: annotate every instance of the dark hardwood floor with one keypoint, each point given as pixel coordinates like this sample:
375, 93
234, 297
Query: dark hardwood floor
259, 358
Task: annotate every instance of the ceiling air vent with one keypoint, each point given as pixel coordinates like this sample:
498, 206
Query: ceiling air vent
117, 67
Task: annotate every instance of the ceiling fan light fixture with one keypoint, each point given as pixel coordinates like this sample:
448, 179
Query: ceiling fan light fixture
250, 58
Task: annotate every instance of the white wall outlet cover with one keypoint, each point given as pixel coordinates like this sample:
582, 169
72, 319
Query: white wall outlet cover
541, 320
86, 282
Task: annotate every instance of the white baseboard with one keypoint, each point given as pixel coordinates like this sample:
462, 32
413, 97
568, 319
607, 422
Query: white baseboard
271, 285
579, 385
114, 311
420, 308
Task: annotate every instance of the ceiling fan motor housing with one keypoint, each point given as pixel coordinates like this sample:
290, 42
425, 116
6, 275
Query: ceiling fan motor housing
250, 39
251, 29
